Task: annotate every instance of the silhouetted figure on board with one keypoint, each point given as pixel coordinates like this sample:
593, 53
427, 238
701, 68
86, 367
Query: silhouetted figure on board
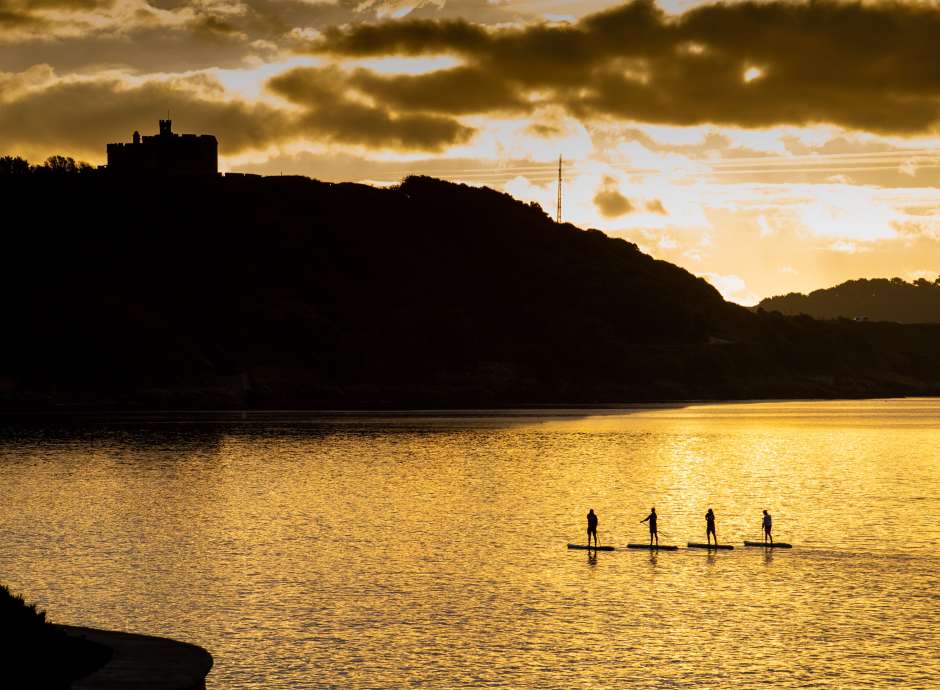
651, 518
768, 524
710, 527
592, 527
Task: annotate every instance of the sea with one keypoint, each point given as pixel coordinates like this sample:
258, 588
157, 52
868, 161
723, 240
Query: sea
428, 549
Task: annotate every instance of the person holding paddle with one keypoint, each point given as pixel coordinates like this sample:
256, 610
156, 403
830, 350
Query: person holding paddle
710, 527
768, 524
592, 526
651, 518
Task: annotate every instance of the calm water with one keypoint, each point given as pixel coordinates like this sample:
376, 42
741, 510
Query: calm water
429, 550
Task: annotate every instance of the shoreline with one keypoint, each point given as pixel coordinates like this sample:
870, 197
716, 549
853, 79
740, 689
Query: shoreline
226, 412
143, 662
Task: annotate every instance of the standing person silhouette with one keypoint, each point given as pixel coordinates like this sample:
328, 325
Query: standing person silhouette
768, 524
651, 518
710, 527
592, 527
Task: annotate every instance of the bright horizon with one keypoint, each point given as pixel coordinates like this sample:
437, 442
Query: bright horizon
770, 148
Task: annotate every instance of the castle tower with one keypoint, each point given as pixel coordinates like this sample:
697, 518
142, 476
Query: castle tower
166, 153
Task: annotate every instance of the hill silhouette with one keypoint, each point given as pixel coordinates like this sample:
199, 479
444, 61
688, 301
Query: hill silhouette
289, 292
879, 299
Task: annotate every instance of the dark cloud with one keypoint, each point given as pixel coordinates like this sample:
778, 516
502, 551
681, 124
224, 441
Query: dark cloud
157, 37
15, 19
34, 5
79, 118
332, 112
178, 35
153, 49
414, 37
610, 202
26, 16
42, 112
860, 65
455, 91
546, 131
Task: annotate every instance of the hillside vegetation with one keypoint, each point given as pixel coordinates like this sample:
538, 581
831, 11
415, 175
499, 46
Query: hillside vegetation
875, 300
288, 292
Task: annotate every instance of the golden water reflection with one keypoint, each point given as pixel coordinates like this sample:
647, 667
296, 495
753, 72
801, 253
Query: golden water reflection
428, 550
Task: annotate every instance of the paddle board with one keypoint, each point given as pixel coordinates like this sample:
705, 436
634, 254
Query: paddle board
693, 545
590, 548
653, 548
775, 545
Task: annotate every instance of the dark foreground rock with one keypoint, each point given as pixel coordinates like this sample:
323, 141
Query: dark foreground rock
142, 662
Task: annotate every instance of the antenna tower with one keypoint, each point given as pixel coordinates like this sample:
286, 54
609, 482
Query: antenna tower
558, 211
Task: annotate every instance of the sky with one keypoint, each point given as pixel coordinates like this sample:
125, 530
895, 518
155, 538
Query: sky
769, 147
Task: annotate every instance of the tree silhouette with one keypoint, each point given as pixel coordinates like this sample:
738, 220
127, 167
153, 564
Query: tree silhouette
13, 165
877, 299
65, 165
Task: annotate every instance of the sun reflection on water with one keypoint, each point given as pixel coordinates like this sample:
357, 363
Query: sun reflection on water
406, 550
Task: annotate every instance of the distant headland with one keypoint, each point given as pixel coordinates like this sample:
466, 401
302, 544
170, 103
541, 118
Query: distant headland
287, 292
878, 299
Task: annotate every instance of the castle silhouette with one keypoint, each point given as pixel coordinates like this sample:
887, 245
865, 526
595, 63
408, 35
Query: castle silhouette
166, 153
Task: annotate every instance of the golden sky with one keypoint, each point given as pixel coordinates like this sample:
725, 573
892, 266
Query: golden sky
767, 146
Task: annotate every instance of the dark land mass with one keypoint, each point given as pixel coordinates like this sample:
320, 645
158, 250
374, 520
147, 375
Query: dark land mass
285, 292
873, 300
38, 655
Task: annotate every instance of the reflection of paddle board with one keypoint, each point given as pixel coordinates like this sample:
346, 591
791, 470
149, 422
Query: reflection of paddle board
709, 546
652, 548
775, 545
590, 548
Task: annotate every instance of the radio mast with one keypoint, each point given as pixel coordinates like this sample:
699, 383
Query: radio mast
558, 211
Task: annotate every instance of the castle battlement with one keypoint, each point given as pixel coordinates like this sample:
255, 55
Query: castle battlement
166, 153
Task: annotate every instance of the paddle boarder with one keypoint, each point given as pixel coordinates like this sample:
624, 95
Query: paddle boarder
592, 526
768, 524
651, 518
710, 527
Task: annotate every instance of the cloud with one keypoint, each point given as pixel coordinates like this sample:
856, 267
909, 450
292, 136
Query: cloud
610, 202
731, 287
41, 113
923, 274
846, 247
825, 61
156, 35
79, 117
764, 227
16, 21
544, 130
456, 91
396, 9
666, 243
15, 84
177, 35
33, 5
332, 111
